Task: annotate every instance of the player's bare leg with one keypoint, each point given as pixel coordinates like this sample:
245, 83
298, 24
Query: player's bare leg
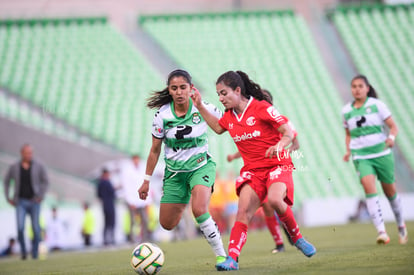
276, 195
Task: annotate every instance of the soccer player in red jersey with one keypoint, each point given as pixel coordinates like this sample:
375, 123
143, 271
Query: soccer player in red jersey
269, 213
261, 135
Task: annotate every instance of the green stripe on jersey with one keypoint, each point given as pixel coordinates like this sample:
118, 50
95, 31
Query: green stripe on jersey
369, 150
371, 109
191, 164
364, 131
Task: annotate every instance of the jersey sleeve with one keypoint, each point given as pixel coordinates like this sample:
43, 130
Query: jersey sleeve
271, 115
383, 110
213, 110
344, 121
157, 126
223, 121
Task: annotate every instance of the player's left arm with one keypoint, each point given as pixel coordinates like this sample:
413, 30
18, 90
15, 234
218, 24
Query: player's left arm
295, 145
389, 142
287, 137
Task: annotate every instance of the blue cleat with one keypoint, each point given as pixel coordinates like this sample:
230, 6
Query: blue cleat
306, 247
228, 265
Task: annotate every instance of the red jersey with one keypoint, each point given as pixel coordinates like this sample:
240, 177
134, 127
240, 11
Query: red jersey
254, 131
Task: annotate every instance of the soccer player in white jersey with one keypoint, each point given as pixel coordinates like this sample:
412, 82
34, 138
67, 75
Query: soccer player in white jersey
370, 147
190, 171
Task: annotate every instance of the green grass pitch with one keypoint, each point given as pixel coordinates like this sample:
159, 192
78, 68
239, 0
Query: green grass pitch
349, 249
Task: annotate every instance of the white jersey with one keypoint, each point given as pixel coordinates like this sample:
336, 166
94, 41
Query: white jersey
185, 138
366, 126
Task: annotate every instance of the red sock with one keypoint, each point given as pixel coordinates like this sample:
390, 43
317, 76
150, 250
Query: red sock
274, 229
238, 237
289, 222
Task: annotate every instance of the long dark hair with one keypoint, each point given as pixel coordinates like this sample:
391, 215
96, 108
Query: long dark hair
240, 79
160, 98
371, 91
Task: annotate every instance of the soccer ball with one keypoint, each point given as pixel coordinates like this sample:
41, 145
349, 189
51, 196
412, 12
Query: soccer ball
147, 259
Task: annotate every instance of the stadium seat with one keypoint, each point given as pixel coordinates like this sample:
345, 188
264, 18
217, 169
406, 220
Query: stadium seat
82, 71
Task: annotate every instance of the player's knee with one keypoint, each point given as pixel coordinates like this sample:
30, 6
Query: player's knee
244, 215
167, 225
199, 209
276, 203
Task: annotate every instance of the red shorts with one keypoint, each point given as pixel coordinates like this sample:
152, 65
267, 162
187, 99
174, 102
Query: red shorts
261, 179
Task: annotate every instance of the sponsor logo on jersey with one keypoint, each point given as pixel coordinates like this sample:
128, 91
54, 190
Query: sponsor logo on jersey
275, 114
247, 136
196, 118
251, 121
200, 160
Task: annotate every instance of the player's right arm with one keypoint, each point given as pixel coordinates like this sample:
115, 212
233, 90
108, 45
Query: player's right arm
210, 118
347, 141
152, 160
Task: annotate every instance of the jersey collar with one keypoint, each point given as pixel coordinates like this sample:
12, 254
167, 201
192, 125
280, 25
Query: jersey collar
244, 111
190, 108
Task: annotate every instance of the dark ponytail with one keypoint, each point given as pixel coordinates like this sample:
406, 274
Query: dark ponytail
240, 79
160, 98
371, 91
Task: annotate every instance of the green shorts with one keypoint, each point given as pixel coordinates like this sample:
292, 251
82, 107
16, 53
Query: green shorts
382, 167
178, 185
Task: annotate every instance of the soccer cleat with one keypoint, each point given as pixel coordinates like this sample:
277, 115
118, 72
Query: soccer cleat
306, 247
383, 238
278, 248
403, 234
220, 259
228, 265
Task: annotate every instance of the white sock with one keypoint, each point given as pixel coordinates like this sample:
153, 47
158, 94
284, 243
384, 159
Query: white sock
374, 210
213, 236
397, 209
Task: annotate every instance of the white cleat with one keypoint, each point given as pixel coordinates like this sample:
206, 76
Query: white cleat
403, 234
383, 238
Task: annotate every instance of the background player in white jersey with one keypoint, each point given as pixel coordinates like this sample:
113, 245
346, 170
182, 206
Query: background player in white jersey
190, 171
364, 120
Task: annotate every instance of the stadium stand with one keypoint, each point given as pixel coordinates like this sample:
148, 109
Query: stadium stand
276, 49
80, 70
380, 40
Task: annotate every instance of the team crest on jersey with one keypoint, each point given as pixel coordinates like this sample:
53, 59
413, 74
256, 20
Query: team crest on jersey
251, 121
230, 125
273, 112
196, 118
368, 110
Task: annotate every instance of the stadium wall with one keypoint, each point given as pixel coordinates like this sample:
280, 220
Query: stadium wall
72, 158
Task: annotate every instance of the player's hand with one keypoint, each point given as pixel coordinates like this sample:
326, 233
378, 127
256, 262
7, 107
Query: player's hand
11, 202
347, 155
389, 143
230, 158
143, 190
196, 97
273, 151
